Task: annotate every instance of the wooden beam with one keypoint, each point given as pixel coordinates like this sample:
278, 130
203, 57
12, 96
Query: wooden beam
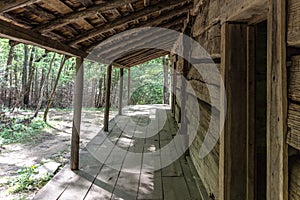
19, 34
160, 44
277, 103
174, 83
128, 87
130, 7
102, 17
139, 54
107, 97
8, 5
233, 141
77, 114
137, 40
133, 55
146, 3
86, 3
120, 22
144, 58
108, 46
121, 91
74, 16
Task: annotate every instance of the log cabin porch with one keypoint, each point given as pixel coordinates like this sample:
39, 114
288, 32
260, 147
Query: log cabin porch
228, 30
98, 180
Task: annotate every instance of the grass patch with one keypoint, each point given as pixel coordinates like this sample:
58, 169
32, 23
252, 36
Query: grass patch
25, 180
19, 130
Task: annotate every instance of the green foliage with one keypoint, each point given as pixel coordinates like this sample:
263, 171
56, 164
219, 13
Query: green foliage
25, 180
19, 130
150, 93
147, 83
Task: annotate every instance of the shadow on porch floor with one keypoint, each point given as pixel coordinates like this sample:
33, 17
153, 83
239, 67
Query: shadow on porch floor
119, 164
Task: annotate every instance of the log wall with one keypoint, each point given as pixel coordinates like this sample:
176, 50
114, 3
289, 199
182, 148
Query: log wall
206, 29
293, 137
207, 16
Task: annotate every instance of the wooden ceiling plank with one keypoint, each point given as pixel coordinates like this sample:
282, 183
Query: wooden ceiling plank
134, 16
86, 3
9, 5
146, 3
14, 20
153, 41
102, 17
61, 7
143, 59
23, 35
74, 16
130, 7
134, 40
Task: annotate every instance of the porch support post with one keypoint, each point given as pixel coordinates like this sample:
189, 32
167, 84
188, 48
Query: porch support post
121, 90
128, 87
277, 149
77, 114
107, 97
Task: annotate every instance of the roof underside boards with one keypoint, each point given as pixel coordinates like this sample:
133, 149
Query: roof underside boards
83, 27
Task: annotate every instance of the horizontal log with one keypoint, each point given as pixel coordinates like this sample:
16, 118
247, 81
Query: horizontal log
8, 5
293, 23
19, 34
74, 16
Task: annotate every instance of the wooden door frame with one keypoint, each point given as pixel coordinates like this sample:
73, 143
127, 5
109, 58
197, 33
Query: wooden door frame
277, 148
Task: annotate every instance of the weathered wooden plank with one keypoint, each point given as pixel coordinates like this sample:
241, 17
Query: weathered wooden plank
293, 17
74, 16
243, 10
121, 91
107, 97
84, 178
190, 179
77, 114
277, 149
8, 5
175, 188
233, 165
30, 37
251, 163
56, 186
125, 20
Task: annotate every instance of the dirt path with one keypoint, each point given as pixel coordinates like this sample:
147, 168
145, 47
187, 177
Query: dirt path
53, 143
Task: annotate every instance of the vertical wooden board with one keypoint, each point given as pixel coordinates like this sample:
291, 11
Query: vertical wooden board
233, 173
277, 149
107, 97
77, 114
251, 114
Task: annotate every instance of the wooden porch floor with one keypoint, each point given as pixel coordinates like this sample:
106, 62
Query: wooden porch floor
106, 180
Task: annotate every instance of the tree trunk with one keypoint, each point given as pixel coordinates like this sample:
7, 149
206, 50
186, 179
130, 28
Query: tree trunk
50, 100
41, 91
48, 74
7, 72
31, 73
